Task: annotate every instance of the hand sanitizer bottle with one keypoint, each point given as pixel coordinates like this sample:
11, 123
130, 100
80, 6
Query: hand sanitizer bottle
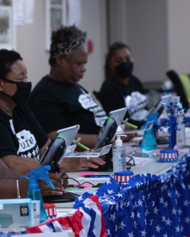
119, 155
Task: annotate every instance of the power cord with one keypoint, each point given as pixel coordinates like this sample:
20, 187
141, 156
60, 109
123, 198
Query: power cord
79, 184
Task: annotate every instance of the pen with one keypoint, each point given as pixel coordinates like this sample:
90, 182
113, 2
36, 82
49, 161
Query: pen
81, 145
97, 176
130, 124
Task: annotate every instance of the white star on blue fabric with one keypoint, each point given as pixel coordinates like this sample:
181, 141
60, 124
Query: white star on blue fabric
177, 229
164, 187
130, 234
163, 218
178, 194
119, 195
117, 206
110, 191
187, 220
161, 200
179, 211
183, 186
185, 203
80, 198
156, 210
158, 228
108, 181
165, 235
143, 233
112, 217
168, 222
146, 212
151, 222
165, 204
138, 215
169, 194
122, 225
140, 202
121, 205
108, 232
132, 215
135, 224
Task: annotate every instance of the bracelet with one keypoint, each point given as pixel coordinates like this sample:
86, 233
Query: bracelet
17, 187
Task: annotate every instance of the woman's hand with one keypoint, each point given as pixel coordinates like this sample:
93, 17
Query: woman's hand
74, 164
56, 181
129, 136
64, 176
92, 162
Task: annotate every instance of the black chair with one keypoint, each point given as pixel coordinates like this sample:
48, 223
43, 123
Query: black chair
178, 87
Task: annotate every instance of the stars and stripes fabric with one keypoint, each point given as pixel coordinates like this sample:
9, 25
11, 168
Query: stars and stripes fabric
87, 221
149, 205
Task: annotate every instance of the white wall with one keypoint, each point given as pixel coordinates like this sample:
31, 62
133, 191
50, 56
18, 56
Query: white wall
31, 42
94, 23
179, 35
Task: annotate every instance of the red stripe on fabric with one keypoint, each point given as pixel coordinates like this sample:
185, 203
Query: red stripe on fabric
96, 200
74, 221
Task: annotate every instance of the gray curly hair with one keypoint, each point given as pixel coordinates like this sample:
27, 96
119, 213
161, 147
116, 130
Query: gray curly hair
64, 41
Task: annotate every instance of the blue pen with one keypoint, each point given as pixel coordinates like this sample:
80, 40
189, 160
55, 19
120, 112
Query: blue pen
100, 176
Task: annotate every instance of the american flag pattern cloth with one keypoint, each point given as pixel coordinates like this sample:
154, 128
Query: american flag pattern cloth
87, 221
149, 205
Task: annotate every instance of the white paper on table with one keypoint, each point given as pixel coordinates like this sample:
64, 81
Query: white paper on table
141, 161
65, 212
18, 11
89, 154
29, 11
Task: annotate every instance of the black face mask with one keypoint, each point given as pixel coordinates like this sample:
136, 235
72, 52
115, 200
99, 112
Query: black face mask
22, 94
124, 70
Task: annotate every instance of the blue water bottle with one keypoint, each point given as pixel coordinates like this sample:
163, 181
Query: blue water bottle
149, 141
33, 187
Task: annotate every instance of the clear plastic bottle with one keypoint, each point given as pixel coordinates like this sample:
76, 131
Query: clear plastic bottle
119, 155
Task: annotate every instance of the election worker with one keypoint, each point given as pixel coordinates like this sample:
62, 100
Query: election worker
121, 88
22, 140
58, 101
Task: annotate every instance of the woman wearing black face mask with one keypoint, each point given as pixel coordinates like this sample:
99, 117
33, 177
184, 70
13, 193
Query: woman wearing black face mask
21, 136
121, 88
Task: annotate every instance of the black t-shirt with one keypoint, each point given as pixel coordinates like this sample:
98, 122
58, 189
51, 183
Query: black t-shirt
58, 105
115, 95
21, 134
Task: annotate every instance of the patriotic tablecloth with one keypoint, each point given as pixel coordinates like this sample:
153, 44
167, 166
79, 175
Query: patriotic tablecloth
148, 205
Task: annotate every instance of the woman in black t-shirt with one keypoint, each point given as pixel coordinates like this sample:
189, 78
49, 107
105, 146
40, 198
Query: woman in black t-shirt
21, 136
121, 88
